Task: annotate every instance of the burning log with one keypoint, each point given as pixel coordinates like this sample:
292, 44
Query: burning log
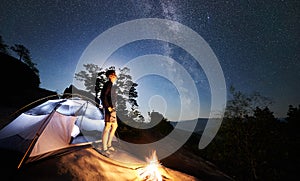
153, 170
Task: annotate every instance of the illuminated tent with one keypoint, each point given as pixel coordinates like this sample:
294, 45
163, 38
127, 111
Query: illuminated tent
52, 127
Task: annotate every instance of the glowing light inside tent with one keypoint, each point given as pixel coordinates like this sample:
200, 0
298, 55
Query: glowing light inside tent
151, 171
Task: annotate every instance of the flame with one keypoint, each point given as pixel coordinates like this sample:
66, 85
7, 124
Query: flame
151, 171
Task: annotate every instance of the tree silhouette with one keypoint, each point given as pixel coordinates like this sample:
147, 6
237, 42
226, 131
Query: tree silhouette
24, 55
159, 123
126, 93
89, 75
293, 121
27, 60
293, 117
251, 143
241, 105
3, 46
20, 50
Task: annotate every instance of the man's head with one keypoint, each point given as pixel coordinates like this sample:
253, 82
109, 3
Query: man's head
111, 74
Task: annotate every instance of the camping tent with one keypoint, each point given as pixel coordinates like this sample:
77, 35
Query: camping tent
52, 126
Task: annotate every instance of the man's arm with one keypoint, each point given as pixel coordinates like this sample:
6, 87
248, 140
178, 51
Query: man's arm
107, 95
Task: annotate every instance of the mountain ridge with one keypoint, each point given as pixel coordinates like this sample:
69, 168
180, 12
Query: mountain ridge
190, 125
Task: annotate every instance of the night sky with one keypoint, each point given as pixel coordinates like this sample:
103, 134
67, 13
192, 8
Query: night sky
256, 44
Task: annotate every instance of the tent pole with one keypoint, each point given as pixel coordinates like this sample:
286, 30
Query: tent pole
27, 151
38, 133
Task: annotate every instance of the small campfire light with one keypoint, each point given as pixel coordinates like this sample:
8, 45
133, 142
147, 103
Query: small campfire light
151, 171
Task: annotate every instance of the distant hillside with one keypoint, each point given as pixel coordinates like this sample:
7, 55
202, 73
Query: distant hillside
16, 75
186, 125
19, 86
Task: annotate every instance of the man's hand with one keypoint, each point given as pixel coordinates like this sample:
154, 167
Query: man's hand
110, 109
113, 117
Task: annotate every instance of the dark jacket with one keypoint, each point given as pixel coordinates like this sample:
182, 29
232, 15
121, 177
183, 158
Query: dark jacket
108, 95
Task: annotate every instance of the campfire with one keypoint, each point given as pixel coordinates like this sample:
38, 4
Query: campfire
151, 171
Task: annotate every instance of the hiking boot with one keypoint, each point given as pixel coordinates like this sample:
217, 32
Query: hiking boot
106, 153
110, 148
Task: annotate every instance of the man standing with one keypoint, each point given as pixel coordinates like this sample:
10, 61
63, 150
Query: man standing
108, 98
